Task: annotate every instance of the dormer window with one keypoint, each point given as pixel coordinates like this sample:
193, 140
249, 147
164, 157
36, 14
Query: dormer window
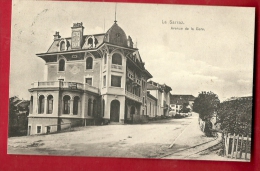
90, 42
118, 38
62, 46
89, 63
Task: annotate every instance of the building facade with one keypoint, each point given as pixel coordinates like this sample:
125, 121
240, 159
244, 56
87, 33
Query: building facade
87, 77
162, 93
151, 106
178, 101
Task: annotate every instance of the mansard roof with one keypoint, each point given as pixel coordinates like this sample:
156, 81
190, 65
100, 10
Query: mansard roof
56, 44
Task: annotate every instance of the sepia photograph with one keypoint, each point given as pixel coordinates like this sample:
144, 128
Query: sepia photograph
97, 79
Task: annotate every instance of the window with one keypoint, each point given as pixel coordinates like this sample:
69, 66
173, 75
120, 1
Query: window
105, 59
89, 63
41, 104
103, 112
88, 81
49, 104
62, 46
115, 81
150, 107
90, 42
104, 81
75, 105
31, 105
39, 129
29, 129
62, 65
94, 111
117, 59
66, 104
89, 107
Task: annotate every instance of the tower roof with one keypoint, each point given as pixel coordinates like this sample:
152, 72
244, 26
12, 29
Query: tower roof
116, 35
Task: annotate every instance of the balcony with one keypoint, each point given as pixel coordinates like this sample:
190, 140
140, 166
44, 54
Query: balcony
133, 96
136, 82
117, 67
130, 75
66, 85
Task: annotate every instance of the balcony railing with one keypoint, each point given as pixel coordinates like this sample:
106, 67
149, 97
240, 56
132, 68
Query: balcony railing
62, 84
115, 66
133, 96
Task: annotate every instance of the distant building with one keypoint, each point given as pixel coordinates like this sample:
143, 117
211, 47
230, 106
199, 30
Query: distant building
177, 102
151, 105
240, 98
162, 93
88, 77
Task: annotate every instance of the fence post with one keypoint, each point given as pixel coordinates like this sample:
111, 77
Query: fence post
241, 147
227, 147
237, 145
246, 147
232, 150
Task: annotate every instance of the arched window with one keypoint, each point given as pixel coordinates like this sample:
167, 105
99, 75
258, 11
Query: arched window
31, 105
103, 114
76, 105
62, 65
41, 104
66, 104
114, 111
62, 46
49, 104
117, 59
89, 107
89, 63
94, 112
90, 42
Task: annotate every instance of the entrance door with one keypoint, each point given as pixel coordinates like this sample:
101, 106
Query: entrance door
29, 130
132, 112
48, 129
114, 111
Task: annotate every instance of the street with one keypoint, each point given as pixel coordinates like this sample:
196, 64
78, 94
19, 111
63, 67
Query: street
156, 139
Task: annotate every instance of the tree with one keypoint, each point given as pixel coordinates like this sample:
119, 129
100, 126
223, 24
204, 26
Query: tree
206, 104
185, 108
235, 116
12, 122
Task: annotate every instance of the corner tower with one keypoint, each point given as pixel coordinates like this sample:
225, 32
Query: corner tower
116, 35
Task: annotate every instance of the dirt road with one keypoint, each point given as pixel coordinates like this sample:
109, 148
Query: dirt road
151, 140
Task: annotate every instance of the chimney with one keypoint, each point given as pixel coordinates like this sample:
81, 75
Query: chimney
77, 35
56, 35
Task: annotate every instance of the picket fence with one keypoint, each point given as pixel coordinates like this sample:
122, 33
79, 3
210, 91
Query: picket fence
238, 147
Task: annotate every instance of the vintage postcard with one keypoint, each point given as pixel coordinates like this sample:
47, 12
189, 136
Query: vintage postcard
131, 80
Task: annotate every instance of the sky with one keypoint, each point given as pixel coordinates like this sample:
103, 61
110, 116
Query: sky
217, 55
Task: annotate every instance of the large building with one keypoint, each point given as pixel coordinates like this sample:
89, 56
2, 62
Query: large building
162, 93
88, 77
177, 102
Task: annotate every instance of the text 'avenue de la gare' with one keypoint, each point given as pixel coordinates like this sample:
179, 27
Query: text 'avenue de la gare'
181, 28
188, 28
